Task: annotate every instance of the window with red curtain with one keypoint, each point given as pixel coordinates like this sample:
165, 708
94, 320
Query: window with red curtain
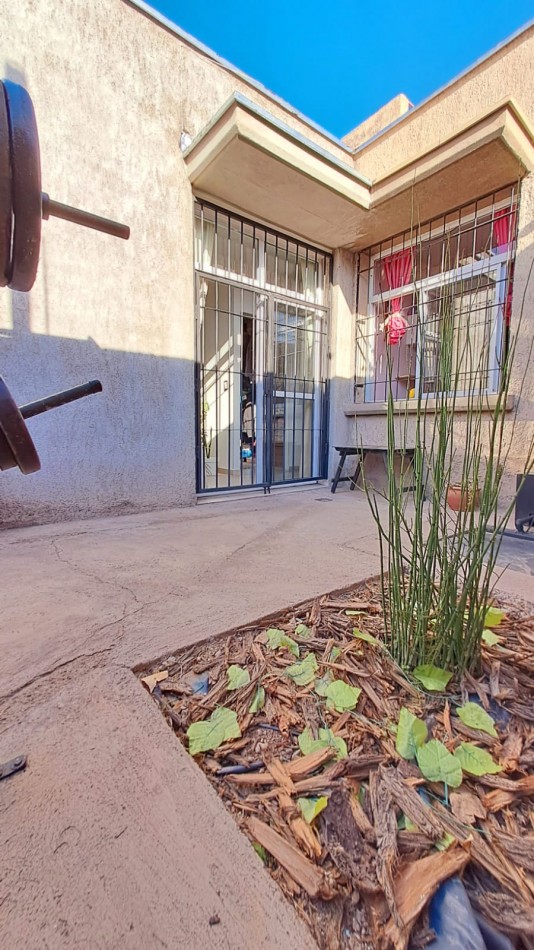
504, 224
504, 228
398, 272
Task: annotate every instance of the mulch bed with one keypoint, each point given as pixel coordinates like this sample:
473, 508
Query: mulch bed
361, 873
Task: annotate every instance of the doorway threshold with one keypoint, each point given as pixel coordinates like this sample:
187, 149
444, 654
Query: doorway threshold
233, 494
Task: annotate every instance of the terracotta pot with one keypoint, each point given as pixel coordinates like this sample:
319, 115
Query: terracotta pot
459, 499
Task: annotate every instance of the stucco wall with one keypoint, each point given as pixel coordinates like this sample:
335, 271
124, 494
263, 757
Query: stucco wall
506, 74
112, 92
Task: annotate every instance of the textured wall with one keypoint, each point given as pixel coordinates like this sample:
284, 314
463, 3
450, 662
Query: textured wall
506, 74
112, 92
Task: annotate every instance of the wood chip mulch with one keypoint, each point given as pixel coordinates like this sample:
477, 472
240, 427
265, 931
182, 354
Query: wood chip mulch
362, 872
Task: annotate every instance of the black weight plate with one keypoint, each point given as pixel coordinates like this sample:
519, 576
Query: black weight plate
6, 209
15, 432
26, 174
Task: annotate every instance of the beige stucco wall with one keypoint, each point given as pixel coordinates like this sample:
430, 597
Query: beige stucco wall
378, 120
506, 74
112, 91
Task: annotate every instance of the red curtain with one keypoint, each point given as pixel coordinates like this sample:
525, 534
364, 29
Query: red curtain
398, 272
503, 228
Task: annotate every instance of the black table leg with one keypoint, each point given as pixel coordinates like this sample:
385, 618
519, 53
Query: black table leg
356, 475
337, 476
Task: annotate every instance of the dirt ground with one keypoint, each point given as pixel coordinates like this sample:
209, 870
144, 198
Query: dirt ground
112, 837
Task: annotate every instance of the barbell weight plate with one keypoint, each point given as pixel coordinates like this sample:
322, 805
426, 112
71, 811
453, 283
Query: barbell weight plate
6, 208
26, 187
15, 434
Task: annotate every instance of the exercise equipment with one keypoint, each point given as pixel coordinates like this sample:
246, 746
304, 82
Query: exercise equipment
22, 202
16, 444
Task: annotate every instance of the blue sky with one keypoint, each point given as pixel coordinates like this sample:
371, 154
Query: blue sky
341, 60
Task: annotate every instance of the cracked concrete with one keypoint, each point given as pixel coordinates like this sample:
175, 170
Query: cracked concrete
112, 837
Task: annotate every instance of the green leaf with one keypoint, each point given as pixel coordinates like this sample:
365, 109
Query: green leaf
477, 718
322, 684
304, 672
476, 761
490, 638
432, 677
493, 617
326, 738
279, 640
308, 744
411, 734
302, 631
334, 653
259, 700
444, 843
311, 807
438, 765
341, 696
362, 635
260, 850
211, 733
238, 676
326, 735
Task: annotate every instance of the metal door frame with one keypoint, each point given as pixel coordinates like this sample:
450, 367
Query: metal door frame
264, 392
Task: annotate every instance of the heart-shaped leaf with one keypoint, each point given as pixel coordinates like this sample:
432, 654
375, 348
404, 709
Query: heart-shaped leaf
432, 677
238, 676
438, 765
477, 718
304, 672
279, 640
326, 738
490, 638
211, 733
362, 635
341, 696
322, 684
311, 807
493, 617
411, 733
259, 700
302, 631
476, 761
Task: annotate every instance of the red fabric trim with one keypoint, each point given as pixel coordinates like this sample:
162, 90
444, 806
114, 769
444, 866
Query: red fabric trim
398, 272
504, 223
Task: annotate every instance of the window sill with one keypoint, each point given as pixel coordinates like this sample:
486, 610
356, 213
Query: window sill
410, 406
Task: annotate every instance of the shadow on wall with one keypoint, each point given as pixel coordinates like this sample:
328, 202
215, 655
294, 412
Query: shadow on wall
131, 448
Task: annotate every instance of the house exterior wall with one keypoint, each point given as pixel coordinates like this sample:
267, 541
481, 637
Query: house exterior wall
112, 91
506, 74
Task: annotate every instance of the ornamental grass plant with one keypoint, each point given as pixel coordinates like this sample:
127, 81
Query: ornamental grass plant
438, 566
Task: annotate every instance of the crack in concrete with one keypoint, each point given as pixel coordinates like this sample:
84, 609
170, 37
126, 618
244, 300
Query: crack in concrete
96, 577
54, 669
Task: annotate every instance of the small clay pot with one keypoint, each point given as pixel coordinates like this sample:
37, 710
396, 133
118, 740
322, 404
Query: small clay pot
462, 499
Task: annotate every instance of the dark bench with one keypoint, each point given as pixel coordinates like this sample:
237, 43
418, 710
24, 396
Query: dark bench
361, 451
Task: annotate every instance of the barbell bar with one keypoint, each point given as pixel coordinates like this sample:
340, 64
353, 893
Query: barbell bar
23, 204
16, 444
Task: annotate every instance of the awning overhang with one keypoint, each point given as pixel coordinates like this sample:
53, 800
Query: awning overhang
486, 155
251, 162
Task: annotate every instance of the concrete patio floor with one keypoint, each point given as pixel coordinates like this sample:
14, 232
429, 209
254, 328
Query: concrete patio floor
112, 837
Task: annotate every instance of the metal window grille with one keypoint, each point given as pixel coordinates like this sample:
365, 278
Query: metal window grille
459, 269
262, 326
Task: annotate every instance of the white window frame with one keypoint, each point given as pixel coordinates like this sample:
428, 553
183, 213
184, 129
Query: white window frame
419, 289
